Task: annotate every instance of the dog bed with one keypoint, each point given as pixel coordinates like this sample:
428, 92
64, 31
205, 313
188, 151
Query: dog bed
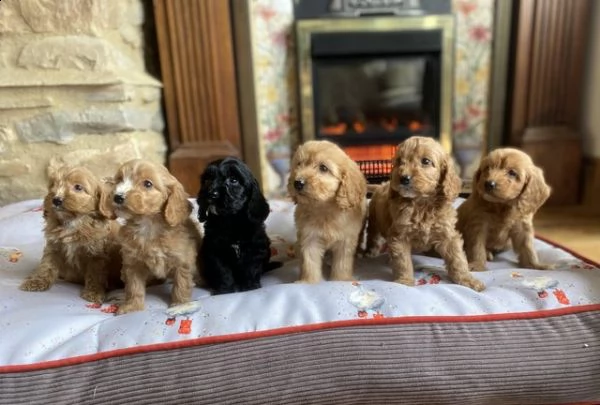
532, 337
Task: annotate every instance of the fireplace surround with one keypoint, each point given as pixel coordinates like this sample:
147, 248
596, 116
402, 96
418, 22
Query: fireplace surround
367, 82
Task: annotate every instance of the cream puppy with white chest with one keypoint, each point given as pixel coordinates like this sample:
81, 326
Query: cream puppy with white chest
159, 239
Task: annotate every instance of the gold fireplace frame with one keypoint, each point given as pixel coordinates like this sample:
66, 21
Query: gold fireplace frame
306, 28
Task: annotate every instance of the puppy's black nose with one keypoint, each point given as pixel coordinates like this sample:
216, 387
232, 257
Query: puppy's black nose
213, 195
405, 180
299, 184
119, 199
490, 185
57, 201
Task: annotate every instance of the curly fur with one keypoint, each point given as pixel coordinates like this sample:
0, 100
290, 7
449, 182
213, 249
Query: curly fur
331, 208
236, 249
80, 243
416, 215
493, 218
159, 239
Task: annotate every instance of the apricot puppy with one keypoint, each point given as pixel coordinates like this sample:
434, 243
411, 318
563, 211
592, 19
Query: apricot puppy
330, 195
159, 239
508, 189
414, 213
80, 244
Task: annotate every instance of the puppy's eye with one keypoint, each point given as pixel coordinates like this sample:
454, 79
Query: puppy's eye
147, 184
233, 180
512, 173
323, 168
78, 187
425, 162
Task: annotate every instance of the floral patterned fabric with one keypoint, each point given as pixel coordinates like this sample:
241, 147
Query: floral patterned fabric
274, 61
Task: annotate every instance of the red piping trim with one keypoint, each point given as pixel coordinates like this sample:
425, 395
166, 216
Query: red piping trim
297, 329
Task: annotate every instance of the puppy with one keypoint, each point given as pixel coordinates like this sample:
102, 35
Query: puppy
158, 239
414, 213
236, 249
508, 189
80, 243
330, 192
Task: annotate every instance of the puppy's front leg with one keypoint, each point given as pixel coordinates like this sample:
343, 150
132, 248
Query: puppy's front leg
450, 249
311, 268
183, 281
521, 236
95, 281
342, 265
475, 238
401, 258
45, 275
135, 290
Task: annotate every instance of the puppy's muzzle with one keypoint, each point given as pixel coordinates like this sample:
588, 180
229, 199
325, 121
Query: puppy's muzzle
213, 195
405, 180
490, 186
299, 184
57, 201
119, 199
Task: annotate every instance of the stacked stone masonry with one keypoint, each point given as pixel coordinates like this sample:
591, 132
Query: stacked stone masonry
73, 85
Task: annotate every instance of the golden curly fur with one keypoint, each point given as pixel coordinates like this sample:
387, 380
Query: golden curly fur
330, 192
507, 191
159, 239
414, 212
80, 243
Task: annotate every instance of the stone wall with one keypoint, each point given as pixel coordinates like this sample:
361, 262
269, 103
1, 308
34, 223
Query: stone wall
73, 84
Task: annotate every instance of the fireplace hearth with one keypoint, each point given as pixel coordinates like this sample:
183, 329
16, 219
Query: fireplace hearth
368, 82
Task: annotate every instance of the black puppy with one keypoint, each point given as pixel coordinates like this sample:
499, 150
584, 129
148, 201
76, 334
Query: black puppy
236, 249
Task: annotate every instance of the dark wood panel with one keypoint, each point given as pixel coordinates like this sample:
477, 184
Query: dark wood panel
200, 88
548, 62
551, 36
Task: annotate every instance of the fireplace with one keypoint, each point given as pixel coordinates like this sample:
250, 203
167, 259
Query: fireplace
373, 73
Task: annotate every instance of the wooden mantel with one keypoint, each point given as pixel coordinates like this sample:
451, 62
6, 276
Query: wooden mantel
200, 89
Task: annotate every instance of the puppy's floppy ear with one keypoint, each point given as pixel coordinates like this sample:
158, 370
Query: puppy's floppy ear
535, 192
177, 208
450, 182
353, 186
292, 175
258, 208
105, 196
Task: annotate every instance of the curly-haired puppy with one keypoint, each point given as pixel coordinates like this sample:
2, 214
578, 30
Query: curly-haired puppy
159, 239
80, 243
330, 192
507, 191
236, 249
414, 212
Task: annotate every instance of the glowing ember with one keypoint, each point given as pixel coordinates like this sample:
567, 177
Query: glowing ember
337, 129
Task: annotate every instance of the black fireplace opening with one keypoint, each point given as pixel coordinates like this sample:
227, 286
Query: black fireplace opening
373, 90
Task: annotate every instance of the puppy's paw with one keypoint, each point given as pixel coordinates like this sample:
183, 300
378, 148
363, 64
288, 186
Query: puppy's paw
477, 266
409, 281
92, 295
490, 256
129, 307
537, 266
307, 280
35, 284
343, 278
472, 283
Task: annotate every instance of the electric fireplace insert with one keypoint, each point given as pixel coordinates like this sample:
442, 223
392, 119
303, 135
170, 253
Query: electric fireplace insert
369, 82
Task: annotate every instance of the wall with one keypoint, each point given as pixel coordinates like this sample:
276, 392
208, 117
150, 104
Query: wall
591, 104
274, 64
73, 84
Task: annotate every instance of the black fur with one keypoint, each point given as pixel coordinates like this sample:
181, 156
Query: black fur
236, 249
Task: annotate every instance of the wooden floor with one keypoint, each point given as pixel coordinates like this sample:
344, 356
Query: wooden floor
574, 227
